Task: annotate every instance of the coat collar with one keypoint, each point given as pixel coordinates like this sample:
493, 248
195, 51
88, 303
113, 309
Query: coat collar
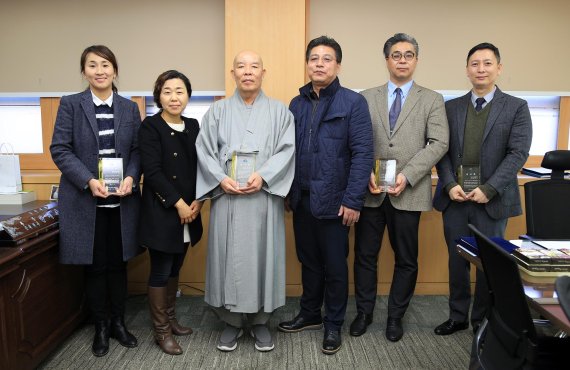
411, 101
326, 92
497, 105
89, 109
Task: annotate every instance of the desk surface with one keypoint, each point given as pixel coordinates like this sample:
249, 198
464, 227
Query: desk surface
539, 292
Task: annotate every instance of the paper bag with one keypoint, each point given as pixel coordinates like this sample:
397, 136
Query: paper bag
10, 179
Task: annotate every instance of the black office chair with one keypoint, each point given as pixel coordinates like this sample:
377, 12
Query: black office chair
562, 286
508, 339
547, 202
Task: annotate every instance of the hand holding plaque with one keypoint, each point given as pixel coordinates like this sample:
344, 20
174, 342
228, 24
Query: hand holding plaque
243, 165
385, 173
111, 174
469, 177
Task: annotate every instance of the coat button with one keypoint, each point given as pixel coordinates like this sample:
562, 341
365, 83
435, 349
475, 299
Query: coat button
390, 145
174, 177
460, 155
176, 154
172, 134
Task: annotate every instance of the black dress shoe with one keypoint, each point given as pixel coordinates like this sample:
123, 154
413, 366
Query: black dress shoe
394, 330
360, 323
119, 332
100, 345
300, 323
331, 342
450, 327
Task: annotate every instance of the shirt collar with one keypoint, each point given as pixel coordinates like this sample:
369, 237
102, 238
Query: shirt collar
487, 97
98, 102
405, 88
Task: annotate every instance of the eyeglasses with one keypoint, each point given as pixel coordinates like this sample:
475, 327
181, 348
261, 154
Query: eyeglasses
408, 56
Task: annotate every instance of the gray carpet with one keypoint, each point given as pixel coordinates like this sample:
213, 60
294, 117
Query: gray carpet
418, 349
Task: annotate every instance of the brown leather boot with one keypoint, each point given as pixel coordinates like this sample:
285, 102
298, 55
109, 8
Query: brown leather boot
177, 329
157, 301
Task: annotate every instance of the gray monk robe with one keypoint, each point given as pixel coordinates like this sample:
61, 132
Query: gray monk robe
245, 269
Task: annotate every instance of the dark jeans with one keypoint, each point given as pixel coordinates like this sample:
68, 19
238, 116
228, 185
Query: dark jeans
164, 265
322, 249
106, 277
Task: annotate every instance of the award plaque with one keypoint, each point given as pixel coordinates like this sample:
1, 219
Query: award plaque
243, 165
111, 173
469, 177
385, 173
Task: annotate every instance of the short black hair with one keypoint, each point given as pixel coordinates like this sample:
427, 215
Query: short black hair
161, 80
482, 46
400, 37
325, 41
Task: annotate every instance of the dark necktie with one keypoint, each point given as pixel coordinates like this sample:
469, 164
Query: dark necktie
395, 109
479, 104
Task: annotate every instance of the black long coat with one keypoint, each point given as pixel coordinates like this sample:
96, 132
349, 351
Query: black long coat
168, 161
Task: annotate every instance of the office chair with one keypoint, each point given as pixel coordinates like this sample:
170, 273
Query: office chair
508, 338
547, 202
562, 286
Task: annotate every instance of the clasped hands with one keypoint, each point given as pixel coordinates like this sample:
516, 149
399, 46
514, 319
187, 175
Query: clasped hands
100, 190
395, 190
188, 213
458, 195
253, 185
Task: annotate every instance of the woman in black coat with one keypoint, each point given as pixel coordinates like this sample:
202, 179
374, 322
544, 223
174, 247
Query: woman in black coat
170, 218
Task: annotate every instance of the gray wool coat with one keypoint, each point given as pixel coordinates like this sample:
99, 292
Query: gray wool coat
74, 149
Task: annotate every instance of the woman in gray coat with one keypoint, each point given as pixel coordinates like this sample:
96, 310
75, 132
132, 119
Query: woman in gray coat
97, 227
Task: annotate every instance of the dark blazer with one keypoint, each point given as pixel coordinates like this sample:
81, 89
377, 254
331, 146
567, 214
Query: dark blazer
169, 164
504, 150
75, 150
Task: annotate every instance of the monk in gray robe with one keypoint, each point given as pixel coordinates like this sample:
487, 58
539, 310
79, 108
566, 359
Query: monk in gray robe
246, 166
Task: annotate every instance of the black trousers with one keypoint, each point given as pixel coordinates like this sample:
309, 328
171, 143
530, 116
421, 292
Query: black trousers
164, 265
403, 233
106, 277
322, 249
455, 219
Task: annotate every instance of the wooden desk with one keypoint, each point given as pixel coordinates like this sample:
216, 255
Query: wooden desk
41, 301
539, 292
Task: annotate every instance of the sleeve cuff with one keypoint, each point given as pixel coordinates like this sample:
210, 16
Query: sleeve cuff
450, 186
488, 190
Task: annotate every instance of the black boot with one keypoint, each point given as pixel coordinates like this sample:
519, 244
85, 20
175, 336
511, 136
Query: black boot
121, 334
101, 339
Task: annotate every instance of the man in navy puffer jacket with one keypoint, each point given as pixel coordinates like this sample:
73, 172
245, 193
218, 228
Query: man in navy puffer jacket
334, 157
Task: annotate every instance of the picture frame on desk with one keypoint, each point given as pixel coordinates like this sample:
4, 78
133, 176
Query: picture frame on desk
54, 193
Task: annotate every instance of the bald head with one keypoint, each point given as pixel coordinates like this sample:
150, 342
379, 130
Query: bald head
248, 74
248, 55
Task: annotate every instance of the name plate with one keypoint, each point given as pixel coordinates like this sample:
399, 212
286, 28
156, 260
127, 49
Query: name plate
469, 177
17, 229
385, 173
243, 165
111, 173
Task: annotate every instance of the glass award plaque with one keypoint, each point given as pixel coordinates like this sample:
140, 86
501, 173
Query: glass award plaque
385, 173
111, 173
469, 177
243, 165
